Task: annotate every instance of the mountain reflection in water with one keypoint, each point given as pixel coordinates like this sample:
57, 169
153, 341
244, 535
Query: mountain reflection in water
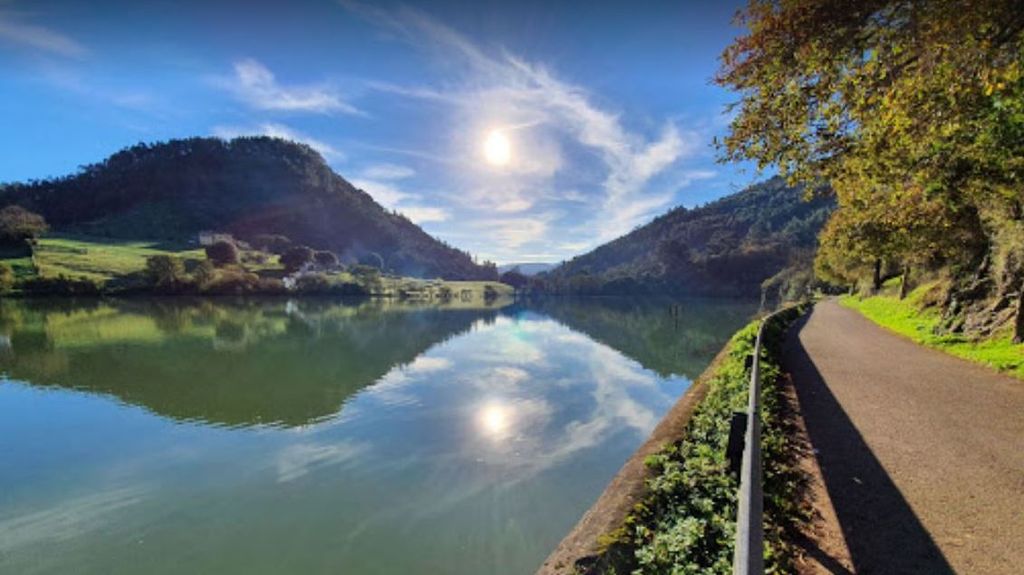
318, 436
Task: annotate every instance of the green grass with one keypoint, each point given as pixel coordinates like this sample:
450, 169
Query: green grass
910, 319
99, 260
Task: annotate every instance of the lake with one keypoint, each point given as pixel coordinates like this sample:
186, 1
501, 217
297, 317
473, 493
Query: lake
319, 436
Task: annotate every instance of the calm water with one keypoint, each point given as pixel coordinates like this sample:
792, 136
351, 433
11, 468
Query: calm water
322, 437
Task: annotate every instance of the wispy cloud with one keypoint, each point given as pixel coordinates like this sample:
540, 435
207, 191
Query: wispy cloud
388, 172
39, 38
256, 85
558, 133
329, 152
383, 182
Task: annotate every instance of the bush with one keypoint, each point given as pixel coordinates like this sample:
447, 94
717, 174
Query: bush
325, 259
164, 270
687, 516
204, 273
61, 285
322, 284
273, 243
233, 281
18, 224
6, 277
222, 253
296, 257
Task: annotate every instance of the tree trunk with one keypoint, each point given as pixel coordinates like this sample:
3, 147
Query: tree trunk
876, 279
903, 282
1018, 326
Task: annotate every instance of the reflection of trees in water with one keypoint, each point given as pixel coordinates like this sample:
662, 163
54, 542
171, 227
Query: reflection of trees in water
291, 362
224, 362
666, 335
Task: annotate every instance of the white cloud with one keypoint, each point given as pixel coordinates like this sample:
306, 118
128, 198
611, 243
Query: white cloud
40, 38
388, 172
298, 460
256, 85
425, 214
381, 182
556, 128
329, 152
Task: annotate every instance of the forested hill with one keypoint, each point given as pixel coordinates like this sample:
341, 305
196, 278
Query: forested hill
728, 247
246, 186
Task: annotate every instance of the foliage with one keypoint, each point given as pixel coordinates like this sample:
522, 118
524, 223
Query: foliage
686, 521
729, 246
18, 225
173, 190
923, 324
296, 257
222, 253
273, 243
164, 270
913, 112
61, 286
325, 259
6, 277
514, 279
204, 273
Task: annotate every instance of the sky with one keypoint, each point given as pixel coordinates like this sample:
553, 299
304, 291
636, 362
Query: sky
519, 131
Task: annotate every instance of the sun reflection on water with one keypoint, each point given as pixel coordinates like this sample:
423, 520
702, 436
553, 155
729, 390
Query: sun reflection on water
495, 419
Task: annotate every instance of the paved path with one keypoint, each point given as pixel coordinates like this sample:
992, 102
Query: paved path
922, 454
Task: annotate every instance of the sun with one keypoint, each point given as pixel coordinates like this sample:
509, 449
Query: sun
494, 418
497, 148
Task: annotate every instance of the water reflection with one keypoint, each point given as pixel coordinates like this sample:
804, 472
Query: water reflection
222, 362
321, 437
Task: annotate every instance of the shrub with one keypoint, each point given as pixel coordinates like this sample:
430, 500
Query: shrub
18, 225
222, 253
61, 285
233, 281
325, 259
273, 243
296, 257
490, 293
6, 277
164, 270
204, 273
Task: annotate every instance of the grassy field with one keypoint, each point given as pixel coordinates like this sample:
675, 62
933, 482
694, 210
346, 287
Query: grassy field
100, 260
910, 319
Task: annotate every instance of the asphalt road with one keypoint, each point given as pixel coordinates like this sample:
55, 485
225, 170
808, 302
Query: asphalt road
922, 453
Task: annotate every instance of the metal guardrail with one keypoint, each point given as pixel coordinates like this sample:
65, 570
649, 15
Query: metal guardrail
748, 556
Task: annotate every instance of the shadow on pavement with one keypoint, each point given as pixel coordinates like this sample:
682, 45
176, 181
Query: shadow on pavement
881, 530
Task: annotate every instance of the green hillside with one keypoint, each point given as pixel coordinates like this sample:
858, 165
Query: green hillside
728, 247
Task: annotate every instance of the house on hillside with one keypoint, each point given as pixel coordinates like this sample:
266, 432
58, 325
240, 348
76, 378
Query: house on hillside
208, 238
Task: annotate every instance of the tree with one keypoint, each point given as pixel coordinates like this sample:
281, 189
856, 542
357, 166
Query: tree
164, 270
222, 253
204, 273
18, 225
917, 107
296, 257
273, 243
514, 278
6, 277
325, 259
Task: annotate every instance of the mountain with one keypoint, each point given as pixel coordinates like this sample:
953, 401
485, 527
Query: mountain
727, 247
246, 186
527, 268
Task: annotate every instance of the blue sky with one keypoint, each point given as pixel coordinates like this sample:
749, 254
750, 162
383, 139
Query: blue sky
607, 108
